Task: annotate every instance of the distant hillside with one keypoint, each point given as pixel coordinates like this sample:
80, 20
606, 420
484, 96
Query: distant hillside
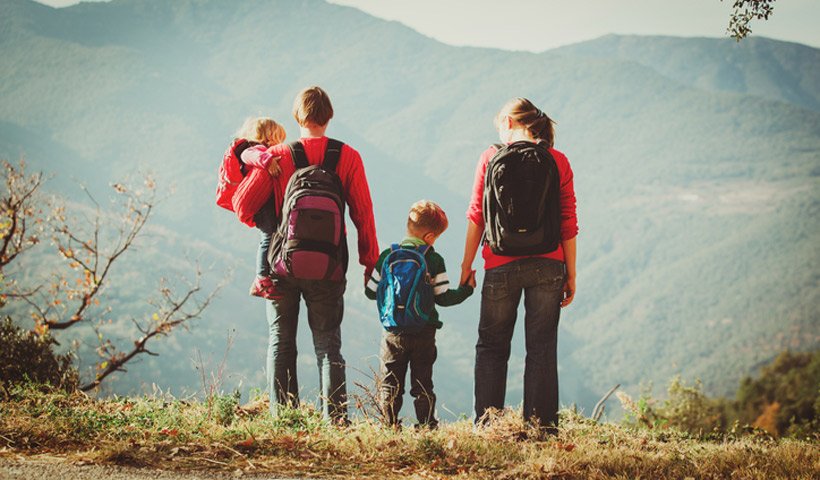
788, 72
698, 191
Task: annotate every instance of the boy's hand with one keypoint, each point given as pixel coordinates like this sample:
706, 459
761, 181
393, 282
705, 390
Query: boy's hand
274, 168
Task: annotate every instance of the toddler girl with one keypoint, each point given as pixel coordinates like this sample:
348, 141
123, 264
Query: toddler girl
252, 187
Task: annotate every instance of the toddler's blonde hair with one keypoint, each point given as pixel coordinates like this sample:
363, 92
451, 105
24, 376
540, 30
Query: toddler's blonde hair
263, 130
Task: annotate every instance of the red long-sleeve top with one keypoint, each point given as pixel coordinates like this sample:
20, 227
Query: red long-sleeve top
569, 220
354, 182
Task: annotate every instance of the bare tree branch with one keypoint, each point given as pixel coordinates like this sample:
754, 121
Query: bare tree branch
91, 250
18, 204
598, 411
95, 271
173, 314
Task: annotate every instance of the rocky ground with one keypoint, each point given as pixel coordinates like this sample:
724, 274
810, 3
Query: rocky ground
50, 467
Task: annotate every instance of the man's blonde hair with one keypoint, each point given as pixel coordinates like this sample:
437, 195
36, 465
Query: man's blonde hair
427, 217
312, 105
263, 130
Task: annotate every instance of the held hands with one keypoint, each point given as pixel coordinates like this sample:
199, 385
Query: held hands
467, 276
569, 292
471, 279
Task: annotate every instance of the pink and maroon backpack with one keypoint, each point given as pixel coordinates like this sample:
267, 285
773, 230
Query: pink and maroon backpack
310, 243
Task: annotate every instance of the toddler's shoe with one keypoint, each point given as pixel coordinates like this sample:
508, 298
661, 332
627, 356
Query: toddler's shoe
264, 287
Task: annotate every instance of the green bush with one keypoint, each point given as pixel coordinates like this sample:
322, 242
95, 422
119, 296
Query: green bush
785, 398
223, 407
686, 409
689, 410
26, 357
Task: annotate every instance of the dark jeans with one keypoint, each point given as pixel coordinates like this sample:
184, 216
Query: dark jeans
262, 264
325, 307
541, 280
266, 222
418, 350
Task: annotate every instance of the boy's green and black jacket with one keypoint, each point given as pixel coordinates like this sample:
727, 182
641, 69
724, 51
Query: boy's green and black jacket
445, 296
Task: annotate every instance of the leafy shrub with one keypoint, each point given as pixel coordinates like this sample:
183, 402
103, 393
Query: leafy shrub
26, 357
784, 399
223, 407
686, 409
301, 418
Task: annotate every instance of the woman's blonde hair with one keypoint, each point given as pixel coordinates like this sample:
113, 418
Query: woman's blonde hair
524, 113
263, 130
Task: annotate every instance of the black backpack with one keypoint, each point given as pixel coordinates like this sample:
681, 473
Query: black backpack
310, 242
522, 213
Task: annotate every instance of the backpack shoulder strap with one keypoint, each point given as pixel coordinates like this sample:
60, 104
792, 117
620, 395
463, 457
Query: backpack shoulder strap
297, 151
423, 249
240, 147
498, 146
332, 154
394, 247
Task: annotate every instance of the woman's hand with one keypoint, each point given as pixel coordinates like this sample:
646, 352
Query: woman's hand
466, 272
274, 168
569, 292
471, 281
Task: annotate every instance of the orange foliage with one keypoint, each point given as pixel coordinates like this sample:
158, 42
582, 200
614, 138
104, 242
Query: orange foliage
768, 419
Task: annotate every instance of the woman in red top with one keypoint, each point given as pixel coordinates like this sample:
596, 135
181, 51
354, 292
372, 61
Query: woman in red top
547, 282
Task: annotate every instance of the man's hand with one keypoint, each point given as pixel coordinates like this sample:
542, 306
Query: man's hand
274, 168
569, 292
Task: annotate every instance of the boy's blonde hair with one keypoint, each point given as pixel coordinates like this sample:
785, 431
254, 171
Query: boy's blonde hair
427, 217
263, 130
312, 105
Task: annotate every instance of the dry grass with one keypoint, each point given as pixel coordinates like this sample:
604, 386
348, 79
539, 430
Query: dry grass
196, 436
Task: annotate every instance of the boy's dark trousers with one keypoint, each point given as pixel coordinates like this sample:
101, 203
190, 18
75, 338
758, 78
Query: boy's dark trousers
418, 351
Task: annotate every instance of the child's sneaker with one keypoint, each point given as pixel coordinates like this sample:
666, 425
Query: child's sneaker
265, 288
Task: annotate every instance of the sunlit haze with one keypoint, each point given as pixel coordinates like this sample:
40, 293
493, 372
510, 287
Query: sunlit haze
537, 25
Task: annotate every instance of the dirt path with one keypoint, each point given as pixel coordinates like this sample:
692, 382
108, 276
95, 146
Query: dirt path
43, 467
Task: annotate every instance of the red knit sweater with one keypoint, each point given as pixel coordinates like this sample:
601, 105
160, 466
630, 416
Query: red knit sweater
569, 220
350, 170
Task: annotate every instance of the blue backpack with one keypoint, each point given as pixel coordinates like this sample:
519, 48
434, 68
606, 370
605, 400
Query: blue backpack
405, 294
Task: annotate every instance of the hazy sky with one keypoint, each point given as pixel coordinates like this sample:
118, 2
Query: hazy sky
542, 24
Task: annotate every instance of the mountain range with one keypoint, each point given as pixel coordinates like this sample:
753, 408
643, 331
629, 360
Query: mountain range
696, 165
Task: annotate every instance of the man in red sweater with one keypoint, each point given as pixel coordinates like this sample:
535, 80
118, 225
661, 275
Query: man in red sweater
324, 299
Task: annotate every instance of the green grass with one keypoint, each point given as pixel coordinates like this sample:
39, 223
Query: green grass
194, 436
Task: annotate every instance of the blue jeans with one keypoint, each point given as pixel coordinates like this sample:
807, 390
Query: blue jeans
325, 306
541, 280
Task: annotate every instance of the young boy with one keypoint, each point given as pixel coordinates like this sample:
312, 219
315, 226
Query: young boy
416, 347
